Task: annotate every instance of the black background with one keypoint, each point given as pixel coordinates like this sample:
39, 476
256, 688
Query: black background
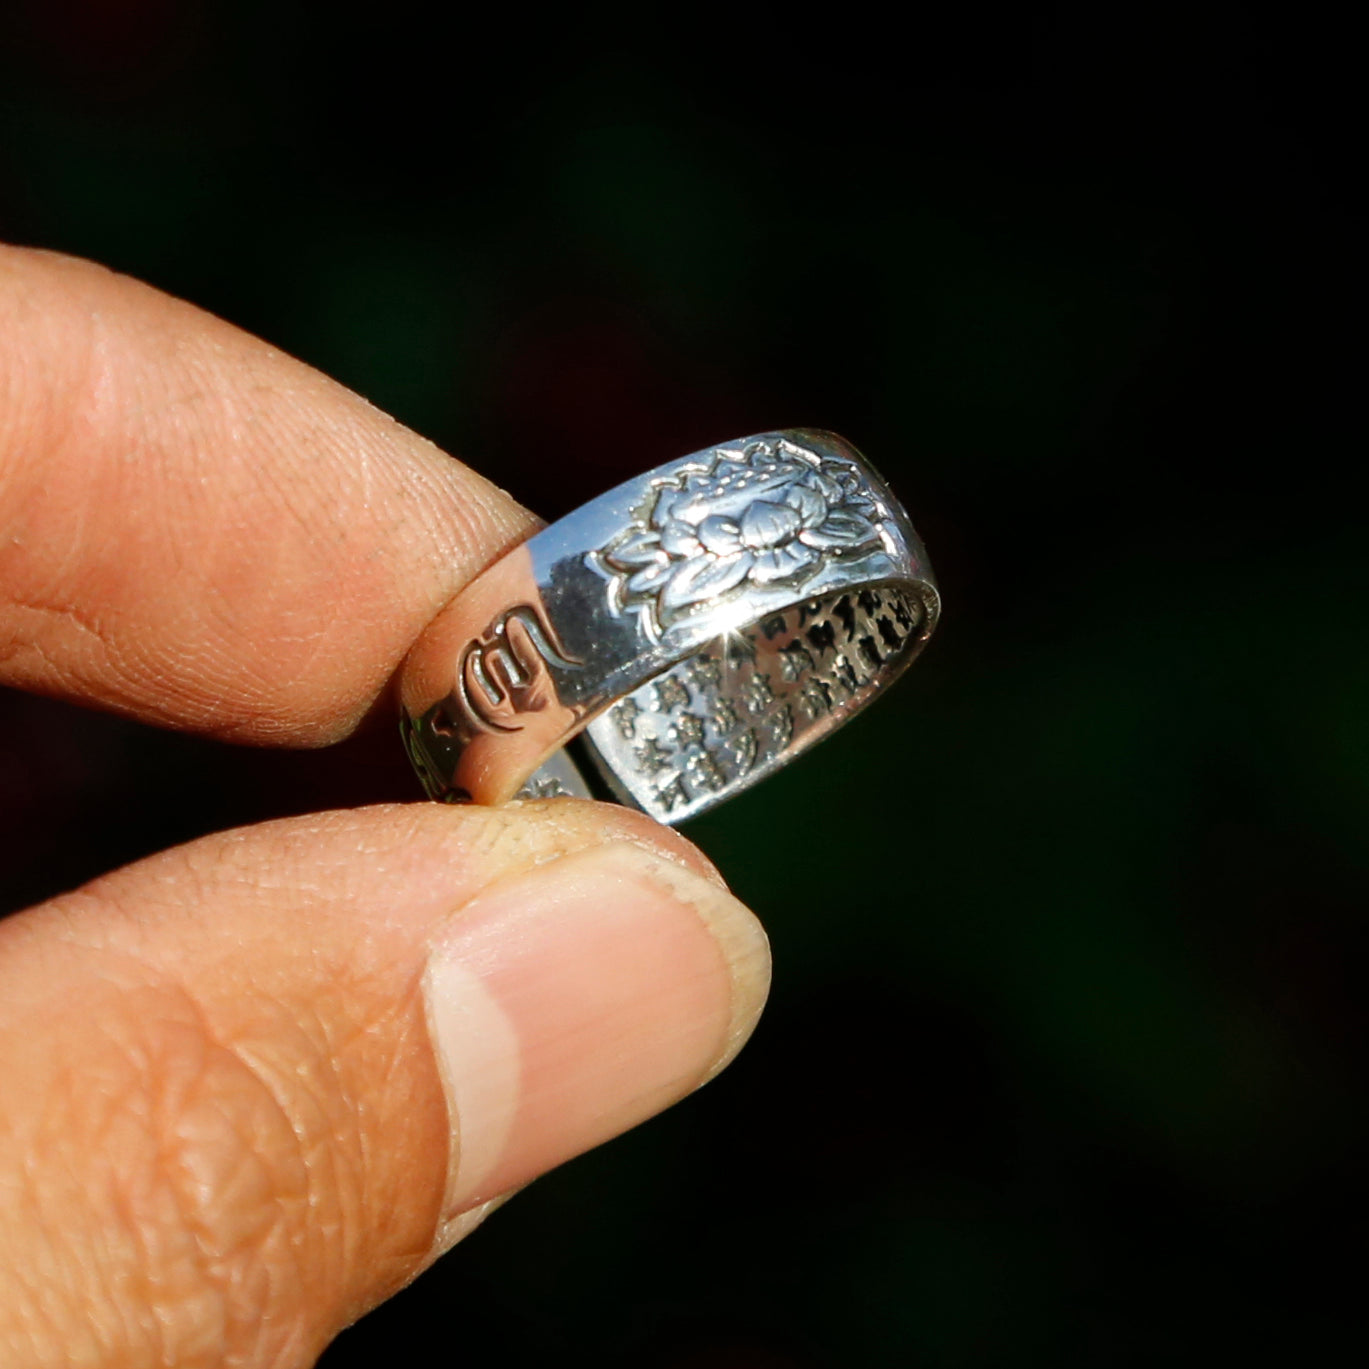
1065, 1058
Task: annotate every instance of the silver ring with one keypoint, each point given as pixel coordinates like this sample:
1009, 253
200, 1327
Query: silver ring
702, 625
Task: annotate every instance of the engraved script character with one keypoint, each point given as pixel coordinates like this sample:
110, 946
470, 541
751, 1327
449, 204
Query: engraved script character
890, 633
795, 660
759, 695
843, 610
816, 697
705, 673
670, 691
822, 636
706, 772
846, 674
508, 670
744, 748
782, 727
688, 730
625, 714
652, 757
724, 715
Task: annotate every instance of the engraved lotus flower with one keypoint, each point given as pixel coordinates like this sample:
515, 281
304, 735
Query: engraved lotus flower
771, 513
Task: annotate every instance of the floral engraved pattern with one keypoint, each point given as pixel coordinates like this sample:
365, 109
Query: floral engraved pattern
770, 513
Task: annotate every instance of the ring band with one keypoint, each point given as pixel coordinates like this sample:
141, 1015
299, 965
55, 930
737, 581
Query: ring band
703, 624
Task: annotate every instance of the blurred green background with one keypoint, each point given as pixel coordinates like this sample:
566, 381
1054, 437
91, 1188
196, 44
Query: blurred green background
1065, 1060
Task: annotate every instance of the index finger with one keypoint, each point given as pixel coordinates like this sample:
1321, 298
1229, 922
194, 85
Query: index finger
202, 532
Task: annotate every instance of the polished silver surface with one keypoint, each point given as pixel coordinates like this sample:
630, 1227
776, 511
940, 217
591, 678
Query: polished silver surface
704, 624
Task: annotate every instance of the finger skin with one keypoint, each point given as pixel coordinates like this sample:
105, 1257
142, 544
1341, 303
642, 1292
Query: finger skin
242, 1098
202, 532
225, 1131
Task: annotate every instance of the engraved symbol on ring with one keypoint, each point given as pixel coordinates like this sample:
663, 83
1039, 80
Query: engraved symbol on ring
770, 512
508, 671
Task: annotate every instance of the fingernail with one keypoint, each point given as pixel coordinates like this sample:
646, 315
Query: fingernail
579, 998
454, 1229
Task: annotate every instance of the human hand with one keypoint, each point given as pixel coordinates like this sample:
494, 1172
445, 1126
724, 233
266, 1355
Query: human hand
253, 1085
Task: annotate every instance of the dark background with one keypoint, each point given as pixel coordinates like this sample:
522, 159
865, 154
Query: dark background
1065, 1059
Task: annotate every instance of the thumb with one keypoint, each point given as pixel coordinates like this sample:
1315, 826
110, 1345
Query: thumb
255, 1084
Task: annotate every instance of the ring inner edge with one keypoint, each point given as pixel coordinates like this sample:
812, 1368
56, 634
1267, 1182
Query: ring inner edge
748, 702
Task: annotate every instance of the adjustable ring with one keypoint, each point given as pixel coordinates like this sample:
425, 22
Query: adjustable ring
702, 625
